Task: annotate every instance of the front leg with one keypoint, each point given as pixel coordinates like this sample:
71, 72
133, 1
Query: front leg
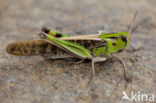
124, 69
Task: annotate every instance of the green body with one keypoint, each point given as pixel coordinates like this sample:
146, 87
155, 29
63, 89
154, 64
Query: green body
115, 42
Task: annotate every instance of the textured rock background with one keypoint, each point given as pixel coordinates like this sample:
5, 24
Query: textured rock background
35, 80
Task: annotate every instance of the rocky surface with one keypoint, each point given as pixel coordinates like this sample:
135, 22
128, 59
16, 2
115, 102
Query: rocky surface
35, 80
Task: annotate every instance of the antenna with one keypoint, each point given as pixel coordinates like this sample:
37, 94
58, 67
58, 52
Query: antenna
132, 25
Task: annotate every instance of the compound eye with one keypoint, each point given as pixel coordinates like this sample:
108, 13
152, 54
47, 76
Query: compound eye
124, 38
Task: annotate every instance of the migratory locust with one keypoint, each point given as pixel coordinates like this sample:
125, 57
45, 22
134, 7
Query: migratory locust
97, 47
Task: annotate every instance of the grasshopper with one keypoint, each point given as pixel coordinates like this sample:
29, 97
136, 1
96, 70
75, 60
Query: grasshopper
97, 47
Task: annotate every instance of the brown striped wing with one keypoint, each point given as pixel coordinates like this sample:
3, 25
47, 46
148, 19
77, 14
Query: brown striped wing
32, 48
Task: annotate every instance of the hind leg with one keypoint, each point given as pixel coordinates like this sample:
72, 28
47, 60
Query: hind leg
124, 69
